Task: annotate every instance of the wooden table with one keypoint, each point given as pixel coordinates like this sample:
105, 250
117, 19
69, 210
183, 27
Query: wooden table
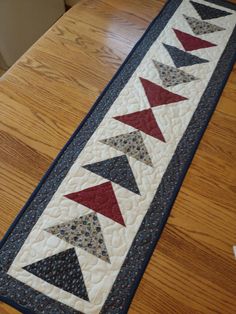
47, 93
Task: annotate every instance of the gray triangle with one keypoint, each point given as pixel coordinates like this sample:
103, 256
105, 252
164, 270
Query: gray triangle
63, 271
201, 27
131, 144
172, 76
117, 170
84, 232
182, 58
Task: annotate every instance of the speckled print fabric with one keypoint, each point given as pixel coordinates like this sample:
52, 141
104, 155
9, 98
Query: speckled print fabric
182, 58
131, 144
171, 76
83, 240
201, 27
207, 12
84, 232
63, 271
117, 170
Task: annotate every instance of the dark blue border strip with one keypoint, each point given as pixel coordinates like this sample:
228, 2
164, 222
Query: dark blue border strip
181, 178
45, 176
177, 189
8, 300
205, 109
16, 305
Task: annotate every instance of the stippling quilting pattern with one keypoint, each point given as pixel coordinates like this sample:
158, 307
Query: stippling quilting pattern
190, 42
63, 271
182, 58
100, 198
117, 170
158, 96
144, 121
201, 27
84, 232
109, 254
131, 144
207, 13
172, 76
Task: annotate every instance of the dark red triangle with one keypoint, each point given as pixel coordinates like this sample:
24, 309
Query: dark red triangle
190, 42
143, 121
158, 95
100, 198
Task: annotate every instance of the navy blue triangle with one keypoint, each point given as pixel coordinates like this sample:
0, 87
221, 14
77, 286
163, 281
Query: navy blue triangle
208, 13
182, 58
63, 271
117, 170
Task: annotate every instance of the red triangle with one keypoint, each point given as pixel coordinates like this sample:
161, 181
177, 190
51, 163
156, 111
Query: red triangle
101, 198
158, 95
190, 42
143, 121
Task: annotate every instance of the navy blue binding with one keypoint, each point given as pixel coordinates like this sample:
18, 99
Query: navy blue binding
16, 305
3, 240
177, 188
51, 167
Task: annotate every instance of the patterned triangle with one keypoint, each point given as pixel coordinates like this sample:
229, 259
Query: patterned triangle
182, 58
84, 232
200, 27
131, 144
63, 271
143, 121
117, 170
190, 42
208, 13
100, 198
158, 95
171, 76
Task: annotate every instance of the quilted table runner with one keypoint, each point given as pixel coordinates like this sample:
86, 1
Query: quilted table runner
84, 238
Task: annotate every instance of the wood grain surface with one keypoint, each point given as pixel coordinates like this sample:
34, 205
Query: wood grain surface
46, 94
